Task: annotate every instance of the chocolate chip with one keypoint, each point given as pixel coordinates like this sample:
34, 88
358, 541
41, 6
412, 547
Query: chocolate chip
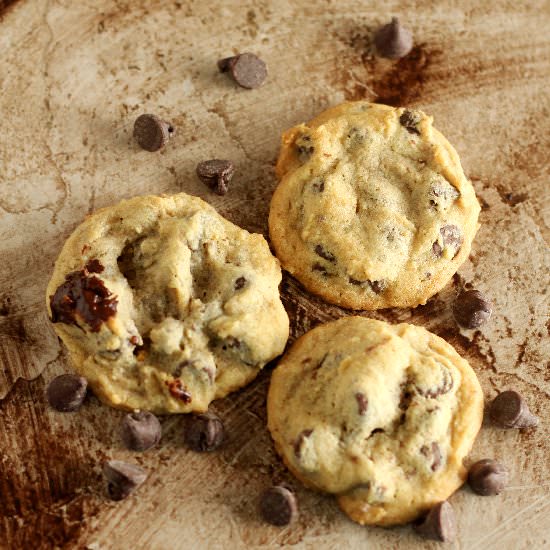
299, 441
66, 392
378, 286
248, 70
325, 254
204, 432
362, 402
451, 237
305, 148
509, 410
134, 340
472, 309
216, 174
177, 390
140, 431
439, 524
393, 40
239, 283
320, 268
94, 266
410, 120
446, 385
318, 186
445, 191
122, 478
83, 296
278, 506
487, 477
433, 453
151, 132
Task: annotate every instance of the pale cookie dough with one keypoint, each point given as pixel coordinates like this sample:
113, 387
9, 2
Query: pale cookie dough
373, 209
165, 305
380, 415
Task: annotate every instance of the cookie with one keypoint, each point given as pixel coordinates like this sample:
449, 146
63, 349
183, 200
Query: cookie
164, 305
380, 415
373, 209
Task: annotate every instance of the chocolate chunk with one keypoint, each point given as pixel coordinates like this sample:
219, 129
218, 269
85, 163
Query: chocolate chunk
410, 120
216, 174
239, 283
433, 453
472, 309
278, 506
177, 390
446, 385
66, 392
325, 254
151, 132
487, 477
204, 432
452, 237
362, 402
83, 296
509, 410
299, 441
393, 40
94, 266
378, 286
247, 69
318, 186
134, 340
320, 268
439, 524
305, 148
140, 431
122, 478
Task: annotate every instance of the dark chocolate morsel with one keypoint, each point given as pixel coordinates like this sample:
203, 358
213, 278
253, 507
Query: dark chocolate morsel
487, 477
393, 40
94, 266
216, 174
140, 431
410, 120
278, 506
204, 432
439, 524
122, 478
325, 254
239, 283
247, 69
509, 410
472, 309
66, 392
151, 132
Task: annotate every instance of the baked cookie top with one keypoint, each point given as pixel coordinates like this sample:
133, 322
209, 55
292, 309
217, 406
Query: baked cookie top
373, 209
165, 305
381, 415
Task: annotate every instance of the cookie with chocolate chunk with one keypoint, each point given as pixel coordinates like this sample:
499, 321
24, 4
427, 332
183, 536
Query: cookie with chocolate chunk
163, 304
380, 415
373, 209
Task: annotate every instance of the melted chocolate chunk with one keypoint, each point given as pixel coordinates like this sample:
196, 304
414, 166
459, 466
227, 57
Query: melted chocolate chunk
452, 237
84, 296
362, 403
94, 266
304, 148
239, 283
446, 386
177, 390
318, 186
325, 254
432, 452
378, 286
278, 506
321, 269
299, 441
409, 120
204, 432
472, 309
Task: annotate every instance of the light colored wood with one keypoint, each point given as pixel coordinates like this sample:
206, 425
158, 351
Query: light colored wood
74, 75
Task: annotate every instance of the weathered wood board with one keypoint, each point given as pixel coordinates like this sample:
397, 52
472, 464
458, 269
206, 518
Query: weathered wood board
75, 74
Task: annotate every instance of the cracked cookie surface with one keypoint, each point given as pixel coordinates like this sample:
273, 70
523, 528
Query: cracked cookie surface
373, 209
380, 415
164, 305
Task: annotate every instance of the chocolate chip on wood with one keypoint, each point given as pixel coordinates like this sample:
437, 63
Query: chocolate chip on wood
393, 40
122, 478
216, 174
472, 309
204, 432
151, 132
487, 477
278, 506
66, 392
247, 69
140, 431
439, 524
509, 410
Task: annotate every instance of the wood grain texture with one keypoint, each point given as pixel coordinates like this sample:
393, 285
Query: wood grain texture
74, 75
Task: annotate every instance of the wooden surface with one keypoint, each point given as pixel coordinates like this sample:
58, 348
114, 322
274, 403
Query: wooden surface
75, 74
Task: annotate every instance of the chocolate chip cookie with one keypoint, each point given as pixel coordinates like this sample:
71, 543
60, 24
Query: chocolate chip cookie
380, 415
373, 209
164, 305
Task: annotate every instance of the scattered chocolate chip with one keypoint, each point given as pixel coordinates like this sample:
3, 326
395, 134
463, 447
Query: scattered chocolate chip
439, 524
94, 266
177, 390
487, 477
84, 296
247, 69
204, 432
216, 174
299, 441
325, 254
452, 237
433, 453
122, 478
409, 120
66, 392
362, 402
472, 309
239, 283
509, 410
318, 186
151, 132
278, 506
393, 40
140, 431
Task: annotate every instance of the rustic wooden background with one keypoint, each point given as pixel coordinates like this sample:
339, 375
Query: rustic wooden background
75, 74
